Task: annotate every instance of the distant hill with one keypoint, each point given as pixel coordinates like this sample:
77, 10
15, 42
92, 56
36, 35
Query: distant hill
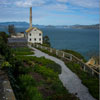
26, 25
16, 24
96, 26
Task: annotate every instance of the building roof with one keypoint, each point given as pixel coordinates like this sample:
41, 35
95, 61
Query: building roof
30, 28
17, 40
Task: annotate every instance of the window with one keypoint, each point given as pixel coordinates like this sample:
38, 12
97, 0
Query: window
34, 39
39, 39
30, 34
39, 34
35, 30
30, 39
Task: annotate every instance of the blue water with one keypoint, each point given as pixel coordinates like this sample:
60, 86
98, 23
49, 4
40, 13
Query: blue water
85, 41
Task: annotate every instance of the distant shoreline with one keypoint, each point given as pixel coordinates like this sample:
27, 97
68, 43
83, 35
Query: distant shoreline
25, 24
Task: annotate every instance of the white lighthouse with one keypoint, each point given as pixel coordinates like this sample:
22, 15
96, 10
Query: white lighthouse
34, 35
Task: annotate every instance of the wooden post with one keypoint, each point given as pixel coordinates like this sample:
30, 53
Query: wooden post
45, 48
92, 72
70, 57
84, 68
56, 52
51, 50
63, 54
41, 47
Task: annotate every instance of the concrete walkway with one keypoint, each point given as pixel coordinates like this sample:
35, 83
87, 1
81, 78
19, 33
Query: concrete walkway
68, 78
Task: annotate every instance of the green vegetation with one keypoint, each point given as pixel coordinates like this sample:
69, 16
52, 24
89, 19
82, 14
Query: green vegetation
38, 77
41, 61
35, 78
28, 88
22, 51
77, 54
5, 64
32, 78
92, 83
46, 41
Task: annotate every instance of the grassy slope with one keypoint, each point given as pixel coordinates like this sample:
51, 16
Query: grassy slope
22, 51
77, 54
92, 83
47, 84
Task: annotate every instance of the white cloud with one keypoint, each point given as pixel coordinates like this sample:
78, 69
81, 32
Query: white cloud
86, 3
63, 1
82, 3
57, 6
28, 3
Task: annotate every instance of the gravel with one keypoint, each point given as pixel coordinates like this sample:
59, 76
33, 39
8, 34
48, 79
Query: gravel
69, 79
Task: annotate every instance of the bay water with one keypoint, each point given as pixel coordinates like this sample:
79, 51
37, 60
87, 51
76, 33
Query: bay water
84, 41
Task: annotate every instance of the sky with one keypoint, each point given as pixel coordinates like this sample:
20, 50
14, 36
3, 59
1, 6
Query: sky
51, 12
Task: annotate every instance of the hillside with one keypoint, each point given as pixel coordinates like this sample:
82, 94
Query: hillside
25, 24
96, 26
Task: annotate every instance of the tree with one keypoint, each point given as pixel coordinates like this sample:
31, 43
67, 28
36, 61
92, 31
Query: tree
46, 41
4, 48
4, 36
11, 29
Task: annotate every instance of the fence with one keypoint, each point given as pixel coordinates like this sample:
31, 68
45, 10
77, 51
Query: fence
68, 57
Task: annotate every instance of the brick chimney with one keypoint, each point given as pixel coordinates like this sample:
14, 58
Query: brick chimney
30, 16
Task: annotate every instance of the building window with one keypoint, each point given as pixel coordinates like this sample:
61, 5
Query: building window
30, 34
39, 34
30, 39
35, 30
34, 39
39, 39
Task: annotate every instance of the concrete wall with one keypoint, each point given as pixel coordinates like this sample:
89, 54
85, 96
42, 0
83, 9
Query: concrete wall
6, 91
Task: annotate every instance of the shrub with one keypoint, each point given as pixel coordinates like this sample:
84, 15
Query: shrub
28, 88
42, 61
46, 72
6, 64
77, 54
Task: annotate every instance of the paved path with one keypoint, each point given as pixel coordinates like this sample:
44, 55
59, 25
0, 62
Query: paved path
68, 78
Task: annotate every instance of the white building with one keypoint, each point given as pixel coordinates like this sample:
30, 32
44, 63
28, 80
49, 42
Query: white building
34, 35
18, 35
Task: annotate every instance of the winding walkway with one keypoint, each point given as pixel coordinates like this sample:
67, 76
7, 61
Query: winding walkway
68, 78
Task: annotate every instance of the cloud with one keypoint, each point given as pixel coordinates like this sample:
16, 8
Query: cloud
82, 3
63, 1
56, 7
39, 3
28, 3
85, 3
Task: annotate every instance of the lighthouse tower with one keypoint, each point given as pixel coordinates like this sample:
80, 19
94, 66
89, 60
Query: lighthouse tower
34, 35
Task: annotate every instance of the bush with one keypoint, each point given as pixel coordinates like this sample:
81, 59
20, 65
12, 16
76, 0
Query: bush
46, 72
28, 88
6, 64
77, 54
42, 61
22, 51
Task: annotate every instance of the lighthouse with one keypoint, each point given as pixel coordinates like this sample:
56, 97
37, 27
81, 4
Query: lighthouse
34, 35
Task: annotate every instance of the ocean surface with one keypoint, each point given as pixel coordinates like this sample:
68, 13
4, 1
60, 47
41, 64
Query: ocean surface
85, 41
